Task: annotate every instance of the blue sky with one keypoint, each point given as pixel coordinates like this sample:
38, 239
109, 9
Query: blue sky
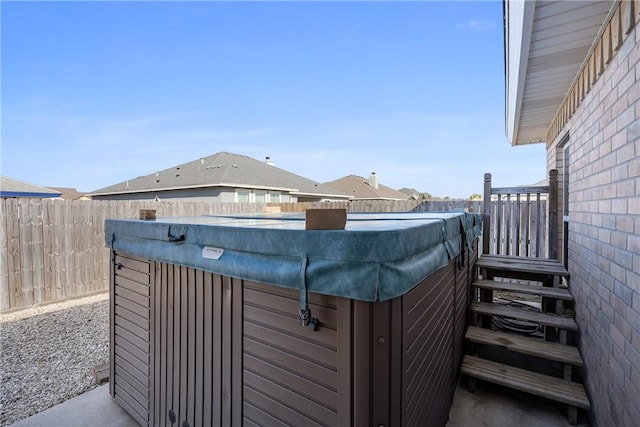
95, 93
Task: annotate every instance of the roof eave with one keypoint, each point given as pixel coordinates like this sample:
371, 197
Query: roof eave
519, 27
335, 196
190, 187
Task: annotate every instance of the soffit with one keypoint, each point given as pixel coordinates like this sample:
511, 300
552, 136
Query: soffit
555, 38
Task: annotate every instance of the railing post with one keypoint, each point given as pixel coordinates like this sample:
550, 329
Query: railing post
553, 214
486, 214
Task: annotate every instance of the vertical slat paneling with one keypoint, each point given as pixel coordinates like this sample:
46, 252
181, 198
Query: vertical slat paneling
345, 360
192, 337
363, 340
185, 285
237, 338
226, 350
198, 367
159, 329
208, 350
381, 361
218, 302
174, 369
166, 349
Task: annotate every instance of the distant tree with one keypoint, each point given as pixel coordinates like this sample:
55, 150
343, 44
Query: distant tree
447, 198
425, 196
475, 196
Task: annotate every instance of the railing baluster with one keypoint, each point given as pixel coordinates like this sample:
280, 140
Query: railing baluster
498, 224
538, 224
507, 227
527, 228
517, 222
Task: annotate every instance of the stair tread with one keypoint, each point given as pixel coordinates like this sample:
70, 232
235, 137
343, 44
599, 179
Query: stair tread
553, 388
547, 319
543, 291
522, 264
526, 345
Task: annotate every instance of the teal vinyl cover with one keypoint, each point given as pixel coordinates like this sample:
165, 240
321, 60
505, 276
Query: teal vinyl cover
375, 258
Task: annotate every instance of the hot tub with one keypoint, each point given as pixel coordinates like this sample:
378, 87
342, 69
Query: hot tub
253, 320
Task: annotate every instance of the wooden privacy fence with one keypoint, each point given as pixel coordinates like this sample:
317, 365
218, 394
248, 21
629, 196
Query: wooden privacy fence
52, 250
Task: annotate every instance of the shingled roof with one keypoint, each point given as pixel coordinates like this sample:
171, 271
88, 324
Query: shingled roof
10, 187
359, 189
223, 170
69, 193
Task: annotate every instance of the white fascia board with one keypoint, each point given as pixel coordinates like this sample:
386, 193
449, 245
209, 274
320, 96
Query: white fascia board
519, 22
335, 196
190, 187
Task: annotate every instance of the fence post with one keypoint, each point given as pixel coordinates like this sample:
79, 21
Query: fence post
553, 214
486, 214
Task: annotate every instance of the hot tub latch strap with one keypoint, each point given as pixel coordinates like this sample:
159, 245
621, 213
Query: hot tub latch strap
305, 312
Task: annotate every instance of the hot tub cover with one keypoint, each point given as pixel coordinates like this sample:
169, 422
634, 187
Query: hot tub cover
375, 258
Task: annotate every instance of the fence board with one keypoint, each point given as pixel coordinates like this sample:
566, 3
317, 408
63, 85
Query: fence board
4, 275
68, 284
48, 248
26, 249
68, 258
37, 250
13, 253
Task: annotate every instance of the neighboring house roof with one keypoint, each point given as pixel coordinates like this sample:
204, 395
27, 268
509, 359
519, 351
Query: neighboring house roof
70, 193
223, 170
359, 188
10, 187
546, 46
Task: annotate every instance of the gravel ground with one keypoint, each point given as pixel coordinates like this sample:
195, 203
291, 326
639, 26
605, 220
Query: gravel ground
47, 354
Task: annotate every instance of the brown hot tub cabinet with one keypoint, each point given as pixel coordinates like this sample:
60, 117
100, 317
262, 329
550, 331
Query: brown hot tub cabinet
194, 345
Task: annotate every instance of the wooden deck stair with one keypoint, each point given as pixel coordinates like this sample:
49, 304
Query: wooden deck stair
545, 319
525, 345
556, 293
553, 388
547, 273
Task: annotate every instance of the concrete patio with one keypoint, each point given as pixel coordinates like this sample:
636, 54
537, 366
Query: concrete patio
490, 406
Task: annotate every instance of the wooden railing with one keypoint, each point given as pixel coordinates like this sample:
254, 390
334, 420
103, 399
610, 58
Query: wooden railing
521, 221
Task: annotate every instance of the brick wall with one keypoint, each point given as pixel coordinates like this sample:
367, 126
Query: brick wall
604, 235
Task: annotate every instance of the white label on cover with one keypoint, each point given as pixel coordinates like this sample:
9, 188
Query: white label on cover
212, 253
